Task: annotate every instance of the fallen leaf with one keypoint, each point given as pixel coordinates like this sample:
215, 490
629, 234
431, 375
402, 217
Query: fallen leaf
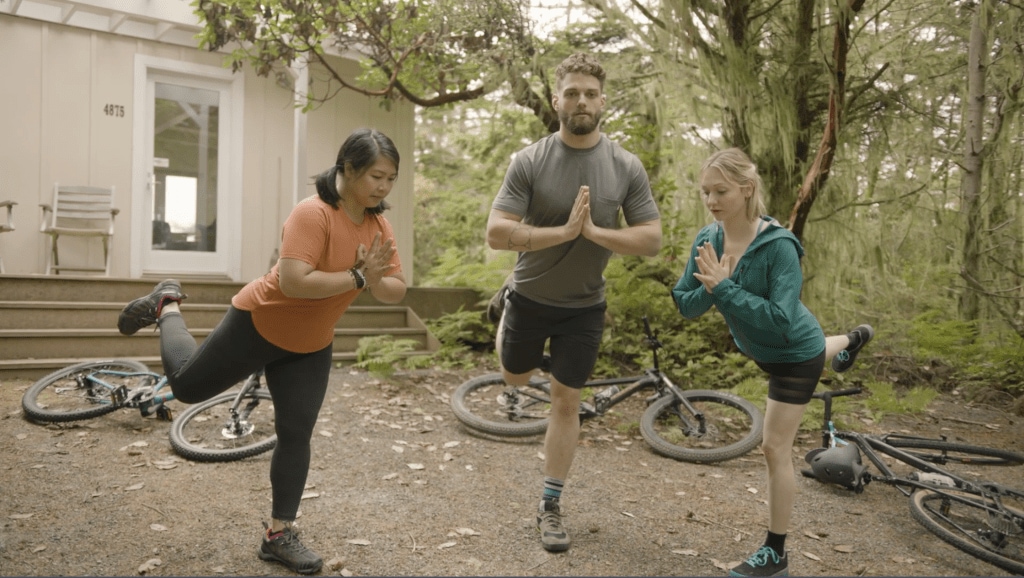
21, 436
390, 477
416, 466
137, 486
446, 545
843, 548
326, 433
398, 449
752, 490
38, 549
812, 535
628, 514
310, 495
158, 528
20, 516
467, 531
150, 564
685, 552
722, 565
346, 572
359, 542
450, 444
811, 556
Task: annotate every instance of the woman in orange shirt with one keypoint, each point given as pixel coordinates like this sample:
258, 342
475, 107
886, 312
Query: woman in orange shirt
333, 246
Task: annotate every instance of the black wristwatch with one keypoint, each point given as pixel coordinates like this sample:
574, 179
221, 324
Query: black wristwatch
359, 277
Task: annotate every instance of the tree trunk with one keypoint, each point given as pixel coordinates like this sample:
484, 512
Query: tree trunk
817, 174
973, 161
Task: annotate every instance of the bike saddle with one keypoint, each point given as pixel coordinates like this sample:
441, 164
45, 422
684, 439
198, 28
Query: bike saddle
839, 465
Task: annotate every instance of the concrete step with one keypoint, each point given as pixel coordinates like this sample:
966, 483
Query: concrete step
103, 343
98, 315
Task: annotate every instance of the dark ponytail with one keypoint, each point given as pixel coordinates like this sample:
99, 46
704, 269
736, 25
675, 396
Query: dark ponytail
358, 153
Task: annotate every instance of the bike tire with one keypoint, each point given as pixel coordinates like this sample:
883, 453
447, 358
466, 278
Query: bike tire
199, 434
481, 402
954, 452
62, 397
977, 534
734, 427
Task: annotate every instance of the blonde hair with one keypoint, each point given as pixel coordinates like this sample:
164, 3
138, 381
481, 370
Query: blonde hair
736, 167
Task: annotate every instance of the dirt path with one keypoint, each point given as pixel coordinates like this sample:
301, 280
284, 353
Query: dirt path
398, 487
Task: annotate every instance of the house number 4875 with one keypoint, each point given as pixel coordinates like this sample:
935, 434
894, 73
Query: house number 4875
114, 110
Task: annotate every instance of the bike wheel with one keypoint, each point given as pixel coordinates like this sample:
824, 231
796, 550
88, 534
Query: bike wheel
733, 427
488, 404
66, 395
975, 524
953, 452
211, 432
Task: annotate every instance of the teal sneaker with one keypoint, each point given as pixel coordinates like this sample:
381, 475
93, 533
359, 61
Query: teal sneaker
764, 562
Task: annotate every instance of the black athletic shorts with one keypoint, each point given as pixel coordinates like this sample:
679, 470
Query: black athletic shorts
793, 382
575, 335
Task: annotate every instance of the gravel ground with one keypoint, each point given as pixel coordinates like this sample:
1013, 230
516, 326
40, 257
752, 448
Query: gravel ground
398, 487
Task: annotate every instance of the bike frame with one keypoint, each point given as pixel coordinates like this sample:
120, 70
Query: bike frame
872, 445
145, 397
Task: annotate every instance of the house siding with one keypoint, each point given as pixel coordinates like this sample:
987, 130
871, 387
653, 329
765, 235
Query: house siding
60, 78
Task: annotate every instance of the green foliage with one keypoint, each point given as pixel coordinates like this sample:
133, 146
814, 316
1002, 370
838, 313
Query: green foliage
884, 399
454, 269
382, 355
461, 333
937, 336
430, 53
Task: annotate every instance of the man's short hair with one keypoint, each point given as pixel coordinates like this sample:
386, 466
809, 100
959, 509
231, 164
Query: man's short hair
582, 63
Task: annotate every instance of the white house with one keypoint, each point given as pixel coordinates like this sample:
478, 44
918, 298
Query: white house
205, 163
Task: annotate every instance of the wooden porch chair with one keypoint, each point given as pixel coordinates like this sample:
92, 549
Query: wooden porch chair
77, 211
7, 226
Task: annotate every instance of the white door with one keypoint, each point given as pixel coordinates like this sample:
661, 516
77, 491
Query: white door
186, 199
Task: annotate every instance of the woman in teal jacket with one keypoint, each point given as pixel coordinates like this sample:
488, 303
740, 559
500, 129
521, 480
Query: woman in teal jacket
748, 266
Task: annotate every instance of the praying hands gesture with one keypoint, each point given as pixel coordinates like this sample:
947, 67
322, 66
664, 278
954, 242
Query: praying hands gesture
375, 262
710, 270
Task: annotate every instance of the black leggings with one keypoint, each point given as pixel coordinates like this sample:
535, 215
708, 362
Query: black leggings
297, 383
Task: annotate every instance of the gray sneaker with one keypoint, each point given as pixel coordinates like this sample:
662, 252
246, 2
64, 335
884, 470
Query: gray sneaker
553, 536
285, 547
144, 311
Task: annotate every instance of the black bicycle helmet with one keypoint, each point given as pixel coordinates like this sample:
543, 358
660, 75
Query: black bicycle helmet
839, 465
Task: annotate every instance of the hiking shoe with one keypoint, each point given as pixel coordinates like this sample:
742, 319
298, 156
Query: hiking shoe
764, 562
144, 311
553, 536
285, 547
844, 359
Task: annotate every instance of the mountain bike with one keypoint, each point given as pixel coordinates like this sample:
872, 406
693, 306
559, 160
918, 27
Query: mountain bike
227, 427
983, 519
695, 425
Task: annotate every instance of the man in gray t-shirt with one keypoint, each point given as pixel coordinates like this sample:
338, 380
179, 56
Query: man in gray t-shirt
559, 209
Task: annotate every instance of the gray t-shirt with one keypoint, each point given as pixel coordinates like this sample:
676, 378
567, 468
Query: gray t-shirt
541, 186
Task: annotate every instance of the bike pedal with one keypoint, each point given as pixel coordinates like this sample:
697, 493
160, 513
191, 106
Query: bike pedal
118, 395
164, 413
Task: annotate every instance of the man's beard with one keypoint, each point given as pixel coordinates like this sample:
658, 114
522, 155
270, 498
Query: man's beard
580, 124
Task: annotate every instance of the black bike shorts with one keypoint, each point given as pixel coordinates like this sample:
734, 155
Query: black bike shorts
793, 383
575, 335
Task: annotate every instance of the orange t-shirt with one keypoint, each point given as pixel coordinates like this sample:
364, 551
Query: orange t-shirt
327, 239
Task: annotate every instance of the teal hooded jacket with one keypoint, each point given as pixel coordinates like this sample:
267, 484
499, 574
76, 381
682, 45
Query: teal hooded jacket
761, 299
